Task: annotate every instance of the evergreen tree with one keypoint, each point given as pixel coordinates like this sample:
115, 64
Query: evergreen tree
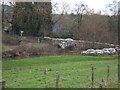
33, 19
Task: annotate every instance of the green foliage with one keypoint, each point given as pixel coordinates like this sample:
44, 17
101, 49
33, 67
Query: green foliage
74, 71
31, 19
63, 34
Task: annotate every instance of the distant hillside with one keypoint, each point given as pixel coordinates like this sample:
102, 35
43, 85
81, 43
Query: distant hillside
94, 27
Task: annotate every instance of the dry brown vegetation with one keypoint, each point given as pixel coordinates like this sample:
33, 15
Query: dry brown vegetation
93, 27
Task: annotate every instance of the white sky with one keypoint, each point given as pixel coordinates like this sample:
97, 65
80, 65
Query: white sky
92, 4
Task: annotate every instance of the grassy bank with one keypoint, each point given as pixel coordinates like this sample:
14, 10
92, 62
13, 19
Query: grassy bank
75, 71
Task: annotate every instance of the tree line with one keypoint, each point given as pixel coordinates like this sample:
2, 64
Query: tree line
39, 19
33, 19
86, 24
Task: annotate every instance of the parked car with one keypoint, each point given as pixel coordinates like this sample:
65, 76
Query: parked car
118, 50
89, 51
84, 52
99, 52
109, 51
105, 51
112, 50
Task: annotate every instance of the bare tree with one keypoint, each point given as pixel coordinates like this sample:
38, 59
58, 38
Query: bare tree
79, 10
113, 17
60, 9
90, 11
113, 7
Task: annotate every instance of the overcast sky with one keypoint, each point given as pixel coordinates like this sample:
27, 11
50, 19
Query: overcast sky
96, 4
92, 4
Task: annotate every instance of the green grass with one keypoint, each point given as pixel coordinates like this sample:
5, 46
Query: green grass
74, 71
0, 69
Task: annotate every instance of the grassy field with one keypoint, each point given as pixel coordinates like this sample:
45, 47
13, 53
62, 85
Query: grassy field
75, 71
0, 69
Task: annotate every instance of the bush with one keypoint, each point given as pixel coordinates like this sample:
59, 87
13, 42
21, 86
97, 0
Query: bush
63, 34
11, 40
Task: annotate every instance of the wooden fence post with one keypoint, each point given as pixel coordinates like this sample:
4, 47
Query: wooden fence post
108, 72
92, 75
57, 80
2, 84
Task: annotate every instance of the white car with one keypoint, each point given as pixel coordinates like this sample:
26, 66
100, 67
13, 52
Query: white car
106, 51
90, 51
118, 49
99, 51
112, 50
84, 52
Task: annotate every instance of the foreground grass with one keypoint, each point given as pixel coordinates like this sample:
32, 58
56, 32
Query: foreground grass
0, 69
74, 71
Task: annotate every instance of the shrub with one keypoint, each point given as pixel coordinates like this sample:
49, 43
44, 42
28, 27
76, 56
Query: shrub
63, 34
